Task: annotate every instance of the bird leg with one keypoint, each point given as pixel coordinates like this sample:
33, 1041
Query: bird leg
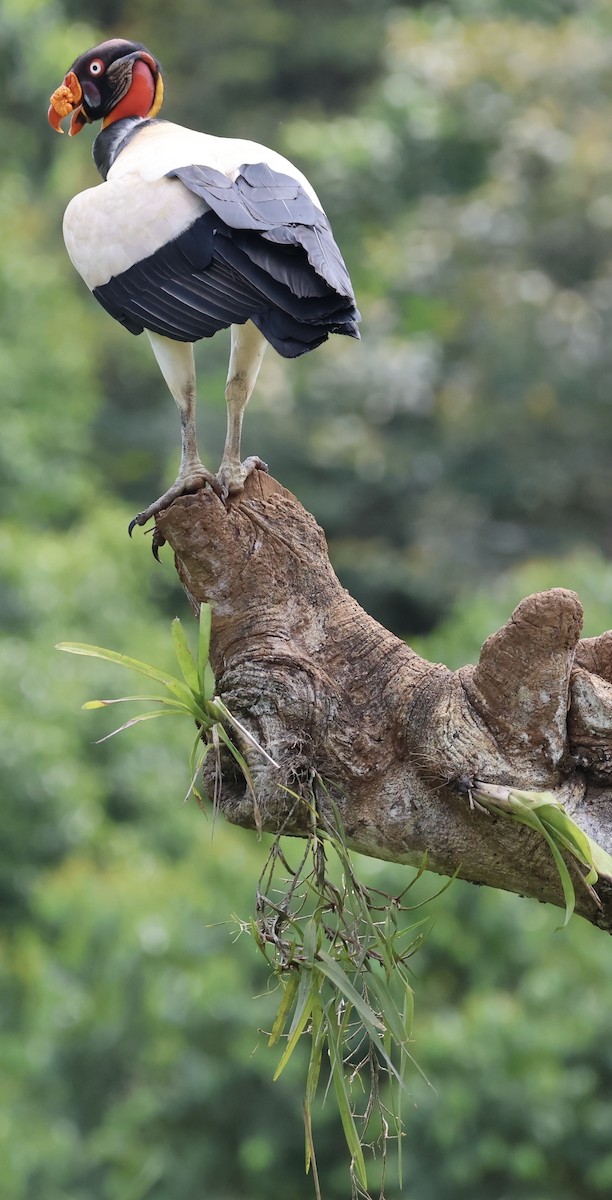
247, 351
175, 361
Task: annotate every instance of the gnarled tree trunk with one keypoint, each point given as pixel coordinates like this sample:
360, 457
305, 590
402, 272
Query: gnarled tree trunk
399, 742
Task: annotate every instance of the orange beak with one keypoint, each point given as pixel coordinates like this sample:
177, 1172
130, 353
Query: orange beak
66, 99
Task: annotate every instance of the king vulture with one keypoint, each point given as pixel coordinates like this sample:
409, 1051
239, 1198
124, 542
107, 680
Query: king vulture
191, 233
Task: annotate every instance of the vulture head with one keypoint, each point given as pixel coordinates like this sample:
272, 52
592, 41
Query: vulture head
116, 79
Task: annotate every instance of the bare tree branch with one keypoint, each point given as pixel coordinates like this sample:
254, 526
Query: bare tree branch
397, 741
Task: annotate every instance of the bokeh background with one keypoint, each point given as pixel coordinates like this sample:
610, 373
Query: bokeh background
458, 458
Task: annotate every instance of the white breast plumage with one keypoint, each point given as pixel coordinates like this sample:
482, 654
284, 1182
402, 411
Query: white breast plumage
110, 227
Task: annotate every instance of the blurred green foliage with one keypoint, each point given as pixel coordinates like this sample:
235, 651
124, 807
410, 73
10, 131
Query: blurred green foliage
462, 150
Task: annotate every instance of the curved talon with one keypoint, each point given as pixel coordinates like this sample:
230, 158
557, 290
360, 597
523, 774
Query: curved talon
157, 541
135, 521
186, 486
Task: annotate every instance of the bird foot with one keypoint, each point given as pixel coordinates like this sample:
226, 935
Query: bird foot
232, 475
185, 485
229, 480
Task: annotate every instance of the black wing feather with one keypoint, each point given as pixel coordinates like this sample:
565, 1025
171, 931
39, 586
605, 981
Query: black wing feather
262, 252
276, 207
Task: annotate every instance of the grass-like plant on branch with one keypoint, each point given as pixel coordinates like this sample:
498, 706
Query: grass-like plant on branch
338, 950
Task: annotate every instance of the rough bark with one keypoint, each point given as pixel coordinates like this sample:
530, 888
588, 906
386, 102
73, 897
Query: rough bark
398, 741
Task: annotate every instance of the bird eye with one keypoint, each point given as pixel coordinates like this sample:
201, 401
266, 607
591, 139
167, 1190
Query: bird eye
96, 67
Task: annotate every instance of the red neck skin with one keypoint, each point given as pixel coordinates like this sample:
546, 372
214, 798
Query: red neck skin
138, 100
